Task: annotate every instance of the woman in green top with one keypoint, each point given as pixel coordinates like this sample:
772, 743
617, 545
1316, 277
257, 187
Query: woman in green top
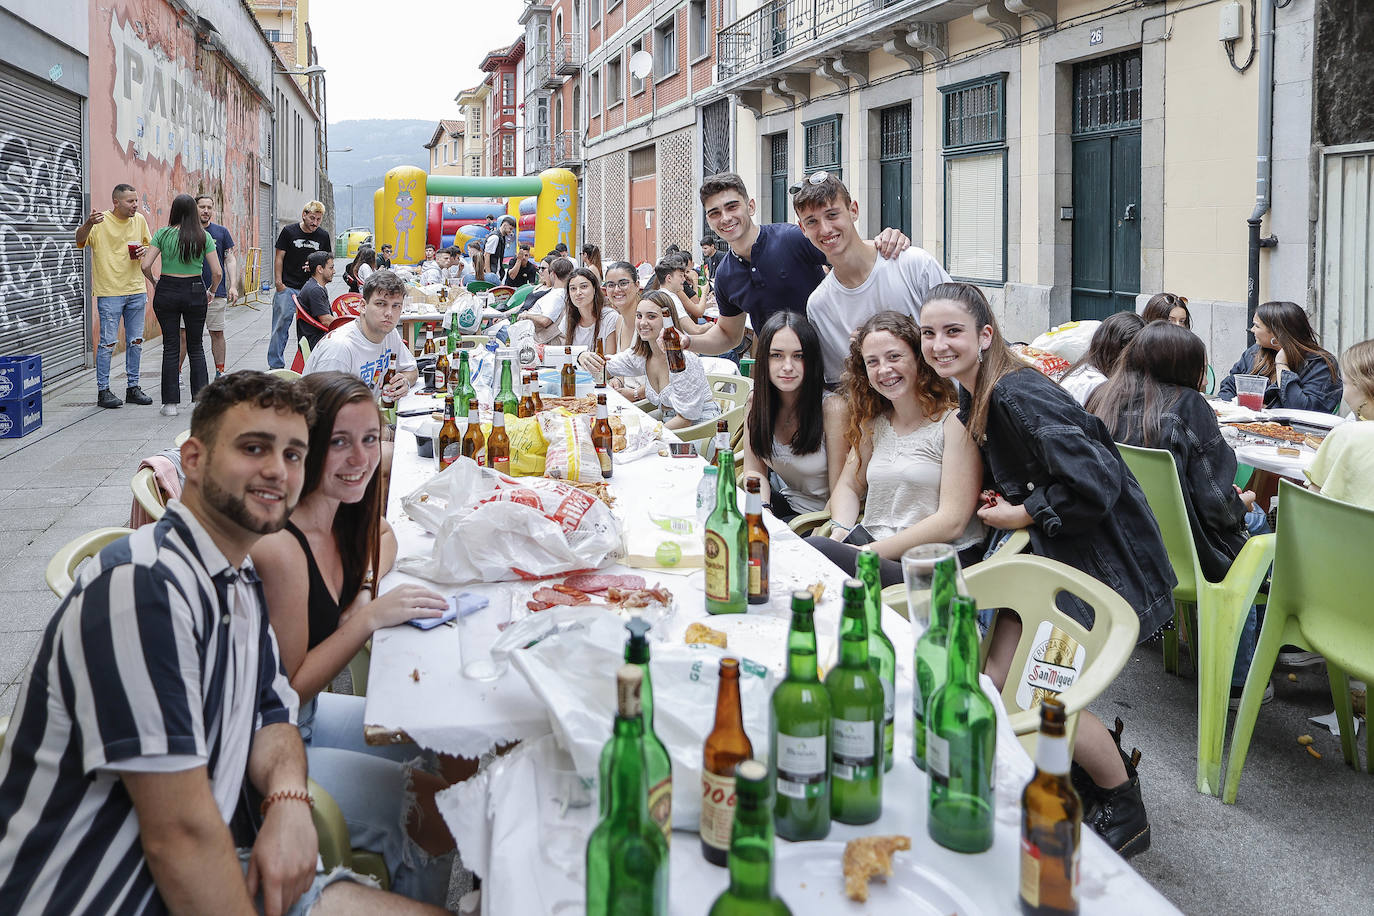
180, 295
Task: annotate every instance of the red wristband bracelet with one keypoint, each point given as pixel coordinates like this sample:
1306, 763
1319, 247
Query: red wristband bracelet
300, 795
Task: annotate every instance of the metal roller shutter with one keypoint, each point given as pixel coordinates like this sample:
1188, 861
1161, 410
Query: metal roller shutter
42, 272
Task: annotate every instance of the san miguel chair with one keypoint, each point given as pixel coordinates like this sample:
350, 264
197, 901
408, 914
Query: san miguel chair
1214, 611
147, 494
1319, 600
61, 572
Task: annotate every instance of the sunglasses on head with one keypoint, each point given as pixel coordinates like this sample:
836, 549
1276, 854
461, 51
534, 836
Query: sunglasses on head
815, 178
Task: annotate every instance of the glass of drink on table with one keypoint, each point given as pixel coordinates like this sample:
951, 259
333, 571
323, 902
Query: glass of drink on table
1250, 391
478, 632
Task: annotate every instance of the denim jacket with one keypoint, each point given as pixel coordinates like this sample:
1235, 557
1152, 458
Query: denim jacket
1044, 452
1311, 388
1206, 466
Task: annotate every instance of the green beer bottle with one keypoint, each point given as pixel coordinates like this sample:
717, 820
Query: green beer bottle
465, 392
882, 658
510, 404
627, 857
856, 720
453, 331
930, 653
961, 740
656, 759
751, 849
799, 746
727, 544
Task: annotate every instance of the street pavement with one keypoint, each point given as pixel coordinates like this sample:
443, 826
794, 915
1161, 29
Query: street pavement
1298, 840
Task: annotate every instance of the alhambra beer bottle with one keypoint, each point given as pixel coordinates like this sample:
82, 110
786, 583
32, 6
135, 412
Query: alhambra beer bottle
1051, 821
725, 747
567, 376
603, 440
450, 441
474, 443
757, 535
498, 444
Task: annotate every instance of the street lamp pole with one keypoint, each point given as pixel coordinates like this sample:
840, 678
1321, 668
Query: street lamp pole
351, 220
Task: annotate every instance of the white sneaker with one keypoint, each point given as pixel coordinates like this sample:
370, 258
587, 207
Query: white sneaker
1293, 657
169, 410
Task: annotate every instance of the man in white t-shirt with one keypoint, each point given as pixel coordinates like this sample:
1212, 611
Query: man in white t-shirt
362, 348
860, 284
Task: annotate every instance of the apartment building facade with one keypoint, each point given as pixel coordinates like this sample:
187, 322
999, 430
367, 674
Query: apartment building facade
472, 105
503, 140
447, 148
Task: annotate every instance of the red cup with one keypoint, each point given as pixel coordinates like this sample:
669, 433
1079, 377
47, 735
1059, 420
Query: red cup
133, 250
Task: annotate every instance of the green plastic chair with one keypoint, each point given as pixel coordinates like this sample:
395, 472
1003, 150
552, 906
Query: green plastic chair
332, 832
479, 286
1319, 600
1215, 611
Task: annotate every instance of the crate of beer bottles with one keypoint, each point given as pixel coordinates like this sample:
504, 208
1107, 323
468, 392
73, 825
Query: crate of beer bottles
20, 416
20, 376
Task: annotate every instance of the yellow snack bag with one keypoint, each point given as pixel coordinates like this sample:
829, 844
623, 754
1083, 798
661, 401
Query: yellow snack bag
527, 446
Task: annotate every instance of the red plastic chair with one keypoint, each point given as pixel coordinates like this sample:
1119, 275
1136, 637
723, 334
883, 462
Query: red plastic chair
298, 364
348, 304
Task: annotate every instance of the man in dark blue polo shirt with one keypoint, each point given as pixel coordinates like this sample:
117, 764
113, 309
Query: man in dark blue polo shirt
767, 268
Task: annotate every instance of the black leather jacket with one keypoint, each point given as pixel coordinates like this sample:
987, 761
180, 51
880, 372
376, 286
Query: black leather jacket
1044, 452
1311, 388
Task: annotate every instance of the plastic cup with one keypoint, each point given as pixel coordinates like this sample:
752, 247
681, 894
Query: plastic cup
1250, 391
918, 571
133, 251
478, 632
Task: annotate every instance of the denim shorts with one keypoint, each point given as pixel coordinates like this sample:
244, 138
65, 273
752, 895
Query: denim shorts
307, 901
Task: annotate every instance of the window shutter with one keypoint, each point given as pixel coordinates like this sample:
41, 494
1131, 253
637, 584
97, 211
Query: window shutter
974, 187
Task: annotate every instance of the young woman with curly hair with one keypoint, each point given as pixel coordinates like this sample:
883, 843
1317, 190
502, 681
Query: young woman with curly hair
908, 454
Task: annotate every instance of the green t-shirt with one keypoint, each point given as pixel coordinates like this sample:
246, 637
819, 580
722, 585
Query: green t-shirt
168, 241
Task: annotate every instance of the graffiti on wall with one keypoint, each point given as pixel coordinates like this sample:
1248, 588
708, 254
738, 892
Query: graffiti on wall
162, 111
39, 190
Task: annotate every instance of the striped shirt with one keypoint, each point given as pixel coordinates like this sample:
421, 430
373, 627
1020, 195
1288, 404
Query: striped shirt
159, 659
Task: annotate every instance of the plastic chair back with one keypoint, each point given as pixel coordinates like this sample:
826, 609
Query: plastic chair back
61, 571
734, 418
730, 391
289, 374
349, 304
1158, 477
1051, 640
895, 596
147, 494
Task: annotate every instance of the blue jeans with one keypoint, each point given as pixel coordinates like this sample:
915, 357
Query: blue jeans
1257, 523
283, 311
111, 309
469, 276
372, 788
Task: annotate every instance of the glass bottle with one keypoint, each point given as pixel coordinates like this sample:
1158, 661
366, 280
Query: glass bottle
428, 349
726, 745
751, 849
627, 858
961, 740
757, 536
672, 346
452, 321
720, 442
656, 758
506, 396
727, 547
474, 443
1051, 821
536, 393
385, 402
882, 657
526, 397
441, 369
856, 720
567, 376
929, 654
706, 493
799, 746
603, 440
463, 390
450, 441
599, 349
498, 444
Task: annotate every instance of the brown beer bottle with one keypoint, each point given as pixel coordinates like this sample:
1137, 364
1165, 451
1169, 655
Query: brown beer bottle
474, 443
388, 403
441, 368
535, 393
721, 440
498, 444
450, 440
599, 349
758, 542
568, 376
672, 346
429, 340
526, 408
1051, 820
725, 747
602, 437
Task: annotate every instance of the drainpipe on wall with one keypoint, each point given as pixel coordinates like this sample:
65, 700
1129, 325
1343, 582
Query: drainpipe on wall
1263, 165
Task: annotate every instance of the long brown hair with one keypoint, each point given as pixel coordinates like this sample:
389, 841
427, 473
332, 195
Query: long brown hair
667, 305
1161, 305
1109, 340
997, 360
765, 402
572, 315
933, 393
1289, 324
357, 526
1158, 364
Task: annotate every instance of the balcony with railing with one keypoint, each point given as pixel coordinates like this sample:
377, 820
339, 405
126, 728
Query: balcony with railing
538, 156
832, 37
568, 55
567, 149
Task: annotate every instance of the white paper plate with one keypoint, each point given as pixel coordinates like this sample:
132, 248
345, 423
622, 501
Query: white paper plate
1307, 417
810, 880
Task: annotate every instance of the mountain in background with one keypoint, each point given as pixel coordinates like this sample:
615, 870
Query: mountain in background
378, 146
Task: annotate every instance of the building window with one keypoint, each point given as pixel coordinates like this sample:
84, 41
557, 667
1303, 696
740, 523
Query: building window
665, 48
508, 151
642, 164
1107, 93
894, 167
975, 153
636, 84
594, 95
593, 11
822, 144
699, 29
273, 35
615, 82
507, 90
778, 165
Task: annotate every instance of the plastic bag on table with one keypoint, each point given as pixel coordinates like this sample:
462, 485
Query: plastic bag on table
523, 342
1069, 340
1049, 365
571, 454
488, 527
571, 669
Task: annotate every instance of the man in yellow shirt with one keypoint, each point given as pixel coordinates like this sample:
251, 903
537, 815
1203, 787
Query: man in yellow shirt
117, 237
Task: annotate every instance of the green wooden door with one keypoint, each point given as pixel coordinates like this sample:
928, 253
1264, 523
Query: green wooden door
894, 168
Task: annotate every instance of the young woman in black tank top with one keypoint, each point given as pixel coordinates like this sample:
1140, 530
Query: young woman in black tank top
316, 580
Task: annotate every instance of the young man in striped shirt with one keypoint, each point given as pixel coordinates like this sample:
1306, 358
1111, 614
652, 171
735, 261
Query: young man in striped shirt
157, 688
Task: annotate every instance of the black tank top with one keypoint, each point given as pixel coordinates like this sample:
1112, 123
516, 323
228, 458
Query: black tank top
322, 610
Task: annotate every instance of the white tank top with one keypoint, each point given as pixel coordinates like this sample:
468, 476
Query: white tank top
805, 478
904, 479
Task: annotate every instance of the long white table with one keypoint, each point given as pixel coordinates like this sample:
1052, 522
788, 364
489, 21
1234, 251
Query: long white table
500, 818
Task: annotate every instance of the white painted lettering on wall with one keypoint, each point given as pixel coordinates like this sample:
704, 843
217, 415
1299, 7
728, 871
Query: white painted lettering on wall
40, 190
160, 108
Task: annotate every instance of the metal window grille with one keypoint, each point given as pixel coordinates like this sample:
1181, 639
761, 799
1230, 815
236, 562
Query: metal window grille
715, 138
975, 113
894, 129
1107, 91
822, 144
642, 162
777, 154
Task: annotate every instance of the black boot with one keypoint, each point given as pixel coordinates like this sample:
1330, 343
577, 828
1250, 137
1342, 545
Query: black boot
1087, 790
136, 395
1119, 815
107, 400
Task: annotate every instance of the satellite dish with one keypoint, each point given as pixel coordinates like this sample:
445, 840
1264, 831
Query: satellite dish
641, 64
